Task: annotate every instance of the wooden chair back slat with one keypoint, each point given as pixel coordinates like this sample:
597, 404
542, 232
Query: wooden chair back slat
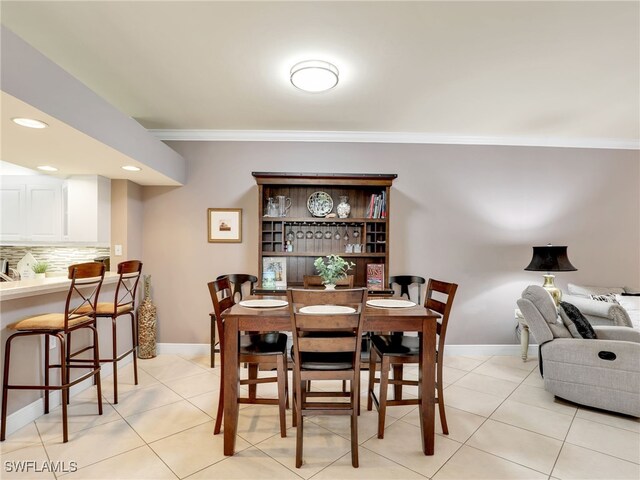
335, 344
222, 298
443, 308
82, 299
312, 322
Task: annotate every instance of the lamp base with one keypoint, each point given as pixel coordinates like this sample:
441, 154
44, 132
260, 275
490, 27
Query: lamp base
550, 287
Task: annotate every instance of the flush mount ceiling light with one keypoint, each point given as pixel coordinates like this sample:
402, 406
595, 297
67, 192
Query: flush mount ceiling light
47, 168
131, 168
314, 76
29, 122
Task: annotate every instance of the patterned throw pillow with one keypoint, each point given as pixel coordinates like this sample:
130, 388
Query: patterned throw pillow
607, 297
575, 322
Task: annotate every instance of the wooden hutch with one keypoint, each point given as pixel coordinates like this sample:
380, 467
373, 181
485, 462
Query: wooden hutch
314, 236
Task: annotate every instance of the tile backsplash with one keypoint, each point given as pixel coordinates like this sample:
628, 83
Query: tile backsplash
58, 258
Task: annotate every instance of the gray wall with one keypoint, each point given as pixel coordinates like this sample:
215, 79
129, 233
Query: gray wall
467, 214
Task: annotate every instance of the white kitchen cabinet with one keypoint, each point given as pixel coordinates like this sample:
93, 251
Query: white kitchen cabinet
88, 215
44, 212
12, 212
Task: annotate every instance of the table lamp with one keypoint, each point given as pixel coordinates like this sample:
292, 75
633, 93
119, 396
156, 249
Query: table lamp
551, 258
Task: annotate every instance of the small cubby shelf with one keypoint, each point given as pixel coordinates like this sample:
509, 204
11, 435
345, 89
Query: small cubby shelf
312, 237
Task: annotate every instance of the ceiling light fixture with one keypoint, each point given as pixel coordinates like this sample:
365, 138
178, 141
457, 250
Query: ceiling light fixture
47, 168
131, 168
314, 76
29, 122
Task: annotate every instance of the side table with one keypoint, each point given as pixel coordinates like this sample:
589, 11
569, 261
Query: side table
524, 334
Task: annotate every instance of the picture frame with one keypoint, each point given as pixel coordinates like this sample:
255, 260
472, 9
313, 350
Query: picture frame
274, 272
224, 225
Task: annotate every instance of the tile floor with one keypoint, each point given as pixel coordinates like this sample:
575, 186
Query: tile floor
503, 425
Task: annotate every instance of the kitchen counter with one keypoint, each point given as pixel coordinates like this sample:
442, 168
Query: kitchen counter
30, 288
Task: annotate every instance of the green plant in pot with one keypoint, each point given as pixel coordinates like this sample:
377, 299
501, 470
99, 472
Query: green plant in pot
40, 268
332, 268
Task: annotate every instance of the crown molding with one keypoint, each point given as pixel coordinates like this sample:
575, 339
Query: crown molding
388, 137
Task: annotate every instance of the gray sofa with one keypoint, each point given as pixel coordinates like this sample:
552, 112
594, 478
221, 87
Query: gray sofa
600, 313
602, 373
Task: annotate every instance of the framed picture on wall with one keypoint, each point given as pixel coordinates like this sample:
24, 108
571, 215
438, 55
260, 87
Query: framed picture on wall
225, 225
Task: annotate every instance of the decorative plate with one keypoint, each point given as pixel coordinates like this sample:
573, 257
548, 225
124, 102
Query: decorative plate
320, 204
390, 303
266, 303
327, 309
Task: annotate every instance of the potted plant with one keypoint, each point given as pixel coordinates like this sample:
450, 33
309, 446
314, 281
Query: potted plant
332, 268
40, 268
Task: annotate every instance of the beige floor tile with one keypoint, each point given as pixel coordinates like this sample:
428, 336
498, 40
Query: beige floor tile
24, 437
534, 379
163, 421
194, 449
92, 445
247, 464
613, 441
80, 416
138, 464
320, 449
469, 464
126, 382
259, 422
179, 368
535, 419
341, 424
208, 402
539, 397
471, 401
609, 418
463, 363
577, 463
28, 463
194, 385
505, 372
485, 384
145, 398
402, 444
451, 375
204, 360
517, 445
461, 424
159, 360
515, 362
372, 467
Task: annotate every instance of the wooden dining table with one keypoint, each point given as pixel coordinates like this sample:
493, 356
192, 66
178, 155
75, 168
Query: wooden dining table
410, 319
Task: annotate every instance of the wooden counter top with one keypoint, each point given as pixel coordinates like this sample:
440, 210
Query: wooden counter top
30, 288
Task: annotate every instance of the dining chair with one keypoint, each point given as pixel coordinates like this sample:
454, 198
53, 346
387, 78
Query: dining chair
316, 281
405, 281
260, 349
237, 281
86, 281
397, 350
327, 327
123, 304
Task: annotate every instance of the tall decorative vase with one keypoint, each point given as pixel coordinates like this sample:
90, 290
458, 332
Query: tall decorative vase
147, 323
343, 209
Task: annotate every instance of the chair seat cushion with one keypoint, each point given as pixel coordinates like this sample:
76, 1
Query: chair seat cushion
48, 322
271, 343
106, 308
325, 361
396, 344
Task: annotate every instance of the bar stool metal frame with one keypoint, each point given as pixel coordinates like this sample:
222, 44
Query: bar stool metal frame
84, 276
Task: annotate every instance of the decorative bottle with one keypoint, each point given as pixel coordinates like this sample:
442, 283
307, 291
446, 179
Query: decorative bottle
343, 209
147, 323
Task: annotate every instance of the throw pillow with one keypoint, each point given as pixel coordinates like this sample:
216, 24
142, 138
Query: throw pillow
631, 303
607, 297
577, 324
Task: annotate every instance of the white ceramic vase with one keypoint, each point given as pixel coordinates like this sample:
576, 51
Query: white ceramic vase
343, 209
330, 286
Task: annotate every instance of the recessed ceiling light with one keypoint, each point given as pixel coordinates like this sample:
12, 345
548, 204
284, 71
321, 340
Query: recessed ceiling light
314, 76
47, 168
131, 168
29, 122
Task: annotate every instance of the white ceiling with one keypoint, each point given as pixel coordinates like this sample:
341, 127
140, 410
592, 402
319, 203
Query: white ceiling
568, 71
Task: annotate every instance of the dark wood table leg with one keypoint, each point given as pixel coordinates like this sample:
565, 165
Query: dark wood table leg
427, 385
231, 384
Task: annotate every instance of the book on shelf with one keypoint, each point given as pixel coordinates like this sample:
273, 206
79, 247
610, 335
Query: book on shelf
274, 273
375, 276
377, 206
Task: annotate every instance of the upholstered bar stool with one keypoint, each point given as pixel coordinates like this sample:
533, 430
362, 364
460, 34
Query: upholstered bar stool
123, 305
79, 313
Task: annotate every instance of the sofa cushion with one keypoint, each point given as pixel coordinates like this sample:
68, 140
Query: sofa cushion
587, 291
576, 323
632, 306
543, 302
607, 297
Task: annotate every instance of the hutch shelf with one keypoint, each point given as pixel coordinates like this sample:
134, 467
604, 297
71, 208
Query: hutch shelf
361, 239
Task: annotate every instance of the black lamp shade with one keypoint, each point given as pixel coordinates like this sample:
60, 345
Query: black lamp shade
550, 258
